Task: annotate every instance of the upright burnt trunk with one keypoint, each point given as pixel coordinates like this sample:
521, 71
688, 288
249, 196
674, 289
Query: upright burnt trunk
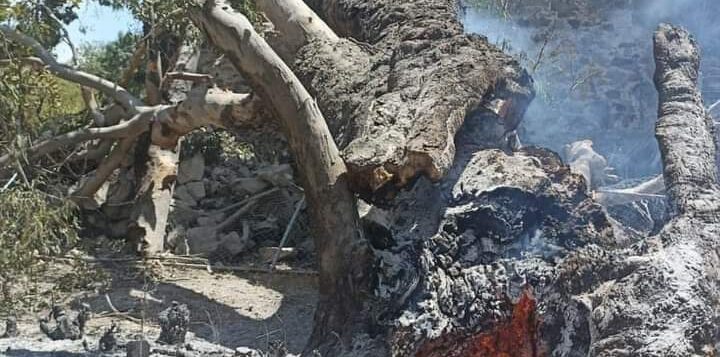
668, 306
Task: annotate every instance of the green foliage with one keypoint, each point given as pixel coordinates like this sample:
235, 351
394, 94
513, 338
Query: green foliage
41, 19
110, 60
32, 225
30, 99
247, 8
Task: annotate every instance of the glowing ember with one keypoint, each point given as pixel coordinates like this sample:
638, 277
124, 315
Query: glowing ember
514, 338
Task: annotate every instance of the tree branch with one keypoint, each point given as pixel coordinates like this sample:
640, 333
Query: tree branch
112, 90
83, 196
169, 122
124, 129
297, 25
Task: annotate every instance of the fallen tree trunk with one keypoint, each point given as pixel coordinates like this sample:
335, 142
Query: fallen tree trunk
397, 89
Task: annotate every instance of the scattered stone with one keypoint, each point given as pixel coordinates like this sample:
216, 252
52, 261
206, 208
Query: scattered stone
196, 190
174, 323
11, 329
202, 240
138, 348
235, 244
211, 220
268, 253
183, 214
191, 170
249, 185
270, 223
183, 195
212, 187
108, 341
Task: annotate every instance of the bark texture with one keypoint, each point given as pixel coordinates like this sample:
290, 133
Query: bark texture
400, 84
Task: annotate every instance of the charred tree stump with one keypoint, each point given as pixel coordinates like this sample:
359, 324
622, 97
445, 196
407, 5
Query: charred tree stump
174, 324
667, 307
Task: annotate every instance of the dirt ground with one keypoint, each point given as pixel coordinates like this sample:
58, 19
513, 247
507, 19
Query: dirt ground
228, 309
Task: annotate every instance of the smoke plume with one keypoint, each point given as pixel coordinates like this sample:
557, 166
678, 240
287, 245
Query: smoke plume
593, 66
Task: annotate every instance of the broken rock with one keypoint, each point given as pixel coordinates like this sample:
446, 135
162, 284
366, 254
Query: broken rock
234, 244
210, 220
183, 195
196, 189
202, 240
191, 170
277, 175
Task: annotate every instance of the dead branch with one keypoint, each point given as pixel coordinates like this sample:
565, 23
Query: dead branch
84, 195
169, 122
179, 261
136, 125
285, 236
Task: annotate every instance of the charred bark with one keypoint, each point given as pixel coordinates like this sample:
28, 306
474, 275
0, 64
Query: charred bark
668, 306
508, 254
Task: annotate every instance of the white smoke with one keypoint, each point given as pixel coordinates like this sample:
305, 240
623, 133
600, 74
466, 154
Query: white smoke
594, 79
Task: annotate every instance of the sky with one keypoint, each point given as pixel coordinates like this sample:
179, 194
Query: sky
99, 23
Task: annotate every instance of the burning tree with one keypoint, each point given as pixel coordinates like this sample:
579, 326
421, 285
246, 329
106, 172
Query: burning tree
485, 249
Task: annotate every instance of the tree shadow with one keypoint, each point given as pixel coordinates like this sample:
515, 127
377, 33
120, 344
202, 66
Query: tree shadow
254, 319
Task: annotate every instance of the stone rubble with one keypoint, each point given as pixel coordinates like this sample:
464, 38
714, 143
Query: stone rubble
203, 194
